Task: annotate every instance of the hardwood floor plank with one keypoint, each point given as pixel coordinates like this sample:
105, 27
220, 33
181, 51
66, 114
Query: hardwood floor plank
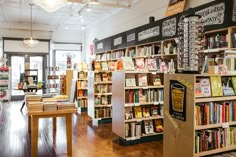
87, 140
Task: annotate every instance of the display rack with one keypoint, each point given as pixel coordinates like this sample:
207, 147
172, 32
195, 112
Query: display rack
53, 80
99, 96
137, 101
82, 91
4, 84
210, 115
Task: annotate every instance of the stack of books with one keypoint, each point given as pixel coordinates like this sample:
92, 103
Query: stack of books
33, 98
65, 106
49, 106
35, 106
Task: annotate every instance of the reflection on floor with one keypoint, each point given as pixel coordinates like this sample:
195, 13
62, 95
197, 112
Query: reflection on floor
88, 140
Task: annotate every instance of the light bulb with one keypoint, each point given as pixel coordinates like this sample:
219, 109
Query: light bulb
88, 9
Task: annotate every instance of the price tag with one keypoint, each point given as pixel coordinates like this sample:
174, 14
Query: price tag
161, 102
145, 87
225, 125
154, 73
139, 120
156, 103
136, 104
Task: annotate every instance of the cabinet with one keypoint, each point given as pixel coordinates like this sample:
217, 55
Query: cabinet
99, 96
210, 122
4, 84
137, 100
82, 90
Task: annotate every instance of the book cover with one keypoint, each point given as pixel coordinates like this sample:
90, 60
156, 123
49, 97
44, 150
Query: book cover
97, 66
104, 77
234, 84
154, 111
216, 86
227, 86
151, 64
127, 63
146, 111
142, 79
138, 129
137, 112
112, 65
140, 66
128, 113
148, 127
130, 80
205, 87
158, 125
104, 66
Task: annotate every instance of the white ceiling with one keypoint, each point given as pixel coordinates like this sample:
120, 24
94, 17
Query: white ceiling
15, 14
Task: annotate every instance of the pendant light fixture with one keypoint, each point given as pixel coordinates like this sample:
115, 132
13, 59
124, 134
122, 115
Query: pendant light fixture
31, 41
50, 5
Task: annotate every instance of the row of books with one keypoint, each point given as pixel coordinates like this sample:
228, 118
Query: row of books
128, 64
103, 88
53, 76
82, 75
215, 86
102, 100
103, 76
214, 139
82, 93
3, 82
48, 106
143, 79
148, 50
137, 129
225, 154
82, 103
215, 41
215, 112
144, 95
117, 54
82, 84
53, 85
144, 111
103, 112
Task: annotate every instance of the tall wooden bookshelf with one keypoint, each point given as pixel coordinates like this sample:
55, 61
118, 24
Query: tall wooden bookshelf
82, 90
62, 84
137, 100
207, 118
53, 80
99, 96
4, 84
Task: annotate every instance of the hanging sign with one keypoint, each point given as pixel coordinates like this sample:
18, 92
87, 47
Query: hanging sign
175, 7
212, 15
177, 100
148, 33
117, 41
169, 27
234, 11
131, 37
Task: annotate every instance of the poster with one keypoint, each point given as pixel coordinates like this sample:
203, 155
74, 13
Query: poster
177, 100
175, 7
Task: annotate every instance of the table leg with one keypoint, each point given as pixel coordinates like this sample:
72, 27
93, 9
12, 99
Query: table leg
34, 135
23, 104
69, 134
29, 123
54, 121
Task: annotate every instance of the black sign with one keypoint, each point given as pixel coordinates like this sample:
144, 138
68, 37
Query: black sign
177, 100
169, 27
131, 37
118, 41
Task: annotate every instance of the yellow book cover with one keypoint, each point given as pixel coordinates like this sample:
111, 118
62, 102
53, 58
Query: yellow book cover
216, 86
138, 112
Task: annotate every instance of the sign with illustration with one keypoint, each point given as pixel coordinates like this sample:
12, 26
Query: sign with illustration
169, 27
177, 100
175, 7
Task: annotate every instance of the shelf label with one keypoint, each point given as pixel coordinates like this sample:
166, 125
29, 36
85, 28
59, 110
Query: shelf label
161, 102
136, 104
225, 125
145, 87
156, 103
154, 73
139, 120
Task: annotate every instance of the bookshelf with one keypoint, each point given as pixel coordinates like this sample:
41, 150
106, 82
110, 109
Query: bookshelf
62, 84
82, 90
53, 80
69, 77
210, 120
99, 96
137, 105
4, 84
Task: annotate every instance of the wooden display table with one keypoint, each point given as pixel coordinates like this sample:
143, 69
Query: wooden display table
33, 123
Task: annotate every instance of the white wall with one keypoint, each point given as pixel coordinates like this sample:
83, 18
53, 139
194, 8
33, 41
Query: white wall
130, 18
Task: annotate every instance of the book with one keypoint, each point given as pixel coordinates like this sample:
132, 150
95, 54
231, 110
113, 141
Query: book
97, 66
146, 111
130, 80
154, 111
234, 84
127, 63
137, 112
112, 65
151, 64
158, 123
142, 80
205, 87
140, 66
128, 113
216, 86
148, 127
104, 66
227, 86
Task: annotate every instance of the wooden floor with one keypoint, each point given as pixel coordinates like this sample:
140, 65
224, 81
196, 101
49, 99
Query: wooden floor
88, 140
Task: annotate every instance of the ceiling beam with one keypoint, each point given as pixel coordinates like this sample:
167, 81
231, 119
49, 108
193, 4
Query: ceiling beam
98, 3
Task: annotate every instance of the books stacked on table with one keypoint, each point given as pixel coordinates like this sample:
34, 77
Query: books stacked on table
36, 98
65, 106
49, 99
49, 106
34, 106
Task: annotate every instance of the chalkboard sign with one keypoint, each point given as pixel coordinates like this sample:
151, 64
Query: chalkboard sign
169, 27
73, 90
103, 45
131, 37
118, 41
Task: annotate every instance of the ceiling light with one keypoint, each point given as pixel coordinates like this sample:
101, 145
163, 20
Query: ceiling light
83, 28
50, 5
88, 9
30, 42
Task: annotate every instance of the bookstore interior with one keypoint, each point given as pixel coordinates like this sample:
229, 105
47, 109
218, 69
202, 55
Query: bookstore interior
93, 78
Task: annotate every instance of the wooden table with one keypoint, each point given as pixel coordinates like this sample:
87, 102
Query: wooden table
33, 123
